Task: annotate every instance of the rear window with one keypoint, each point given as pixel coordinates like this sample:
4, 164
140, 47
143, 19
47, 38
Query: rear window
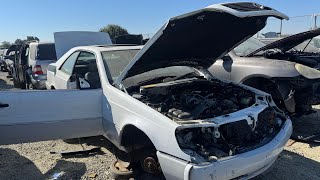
46, 52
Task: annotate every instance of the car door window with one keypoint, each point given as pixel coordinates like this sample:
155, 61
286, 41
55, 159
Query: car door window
68, 65
86, 70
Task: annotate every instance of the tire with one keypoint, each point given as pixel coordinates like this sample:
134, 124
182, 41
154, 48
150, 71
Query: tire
23, 86
30, 86
16, 84
118, 174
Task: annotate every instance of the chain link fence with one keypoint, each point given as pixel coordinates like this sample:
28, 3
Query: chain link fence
296, 24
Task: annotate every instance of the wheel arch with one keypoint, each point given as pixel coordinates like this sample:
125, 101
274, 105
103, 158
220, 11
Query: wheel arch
281, 93
132, 135
247, 79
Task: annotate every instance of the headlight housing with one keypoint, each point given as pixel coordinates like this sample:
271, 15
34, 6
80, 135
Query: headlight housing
307, 72
207, 144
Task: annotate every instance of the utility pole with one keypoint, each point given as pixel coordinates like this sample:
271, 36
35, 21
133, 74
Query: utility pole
315, 21
280, 28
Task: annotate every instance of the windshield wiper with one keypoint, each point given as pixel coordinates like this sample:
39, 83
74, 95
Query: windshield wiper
307, 45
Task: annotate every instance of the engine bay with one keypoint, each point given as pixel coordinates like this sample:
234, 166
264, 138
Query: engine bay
194, 98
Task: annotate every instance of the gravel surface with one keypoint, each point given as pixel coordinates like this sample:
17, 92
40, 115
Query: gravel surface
34, 161
5, 83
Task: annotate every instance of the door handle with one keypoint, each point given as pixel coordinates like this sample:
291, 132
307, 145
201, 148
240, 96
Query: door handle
4, 105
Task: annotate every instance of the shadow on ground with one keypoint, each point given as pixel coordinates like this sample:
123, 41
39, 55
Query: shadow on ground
15, 166
289, 165
103, 142
292, 166
308, 126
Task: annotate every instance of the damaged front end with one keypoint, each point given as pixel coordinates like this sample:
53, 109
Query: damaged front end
207, 144
169, 74
217, 119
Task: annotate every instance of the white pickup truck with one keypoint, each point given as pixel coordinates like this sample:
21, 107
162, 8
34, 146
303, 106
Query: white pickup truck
158, 103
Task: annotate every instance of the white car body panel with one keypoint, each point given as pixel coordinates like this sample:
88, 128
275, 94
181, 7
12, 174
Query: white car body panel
60, 115
108, 111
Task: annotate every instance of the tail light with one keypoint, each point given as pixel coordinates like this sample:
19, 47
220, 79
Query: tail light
37, 70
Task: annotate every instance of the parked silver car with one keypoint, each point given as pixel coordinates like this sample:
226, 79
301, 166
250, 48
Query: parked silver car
291, 76
9, 57
2, 54
41, 54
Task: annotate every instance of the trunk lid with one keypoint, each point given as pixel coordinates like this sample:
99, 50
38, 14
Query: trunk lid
64, 41
198, 38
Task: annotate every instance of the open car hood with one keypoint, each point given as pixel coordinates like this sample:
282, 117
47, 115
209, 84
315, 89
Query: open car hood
198, 38
287, 43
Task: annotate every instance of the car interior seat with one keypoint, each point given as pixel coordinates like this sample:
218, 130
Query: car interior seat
93, 77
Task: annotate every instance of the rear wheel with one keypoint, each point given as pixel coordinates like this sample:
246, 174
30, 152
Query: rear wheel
16, 83
23, 86
30, 86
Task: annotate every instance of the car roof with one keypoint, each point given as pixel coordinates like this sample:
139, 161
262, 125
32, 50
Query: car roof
113, 47
39, 43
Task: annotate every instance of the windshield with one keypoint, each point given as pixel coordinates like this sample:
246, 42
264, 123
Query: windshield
116, 61
309, 46
46, 52
316, 42
249, 46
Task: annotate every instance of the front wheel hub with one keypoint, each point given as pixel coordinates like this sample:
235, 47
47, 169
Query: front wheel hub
151, 166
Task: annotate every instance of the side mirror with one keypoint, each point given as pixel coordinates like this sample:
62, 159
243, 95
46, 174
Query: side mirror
84, 84
226, 58
73, 78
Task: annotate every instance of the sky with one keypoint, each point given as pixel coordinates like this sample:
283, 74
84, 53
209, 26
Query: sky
21, 18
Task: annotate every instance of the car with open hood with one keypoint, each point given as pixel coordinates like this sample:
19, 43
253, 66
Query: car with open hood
158, 103
30, 64
9, 57
288, 69
2, 54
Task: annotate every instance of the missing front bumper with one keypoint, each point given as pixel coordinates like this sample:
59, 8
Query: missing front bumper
247, 164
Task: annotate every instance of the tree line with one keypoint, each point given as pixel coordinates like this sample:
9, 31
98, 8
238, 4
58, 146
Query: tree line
7, 44
112, 29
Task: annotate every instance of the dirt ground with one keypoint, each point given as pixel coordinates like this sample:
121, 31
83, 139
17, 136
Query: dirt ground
34, 161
